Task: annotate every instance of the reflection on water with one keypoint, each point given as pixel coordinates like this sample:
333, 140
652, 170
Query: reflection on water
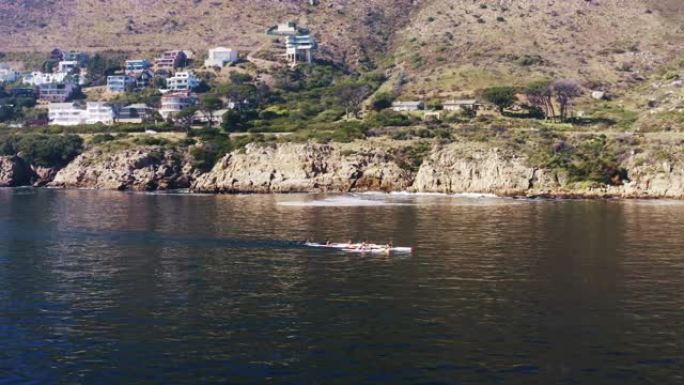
111, 288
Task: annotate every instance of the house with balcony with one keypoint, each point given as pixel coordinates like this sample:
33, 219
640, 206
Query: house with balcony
135, 113
169, 61
175, 102
136, 67
57, 92
183, 81
99, 112
120, 83
67, 66
299, 49
66, 114
73, 114
38, 78
77, 56
220, 56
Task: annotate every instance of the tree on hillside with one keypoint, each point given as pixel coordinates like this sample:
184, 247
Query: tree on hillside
237, 120
540, 95
351, 95
501, 97
185, 118
44, 150
104, 64
565, 91
208, 105
382, 101
243, 95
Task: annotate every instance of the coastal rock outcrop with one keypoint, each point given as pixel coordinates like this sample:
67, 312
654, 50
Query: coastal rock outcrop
651, 171
476, 168
43, 175
14, 171
141, 169
297, 167
658, 174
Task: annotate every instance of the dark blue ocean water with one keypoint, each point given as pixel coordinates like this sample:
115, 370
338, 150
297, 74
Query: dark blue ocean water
116, 288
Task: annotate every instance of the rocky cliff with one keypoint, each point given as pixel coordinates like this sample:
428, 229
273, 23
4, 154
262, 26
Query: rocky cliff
292, 167
140, 169
454, 168
478, 168
14, 171
652, 169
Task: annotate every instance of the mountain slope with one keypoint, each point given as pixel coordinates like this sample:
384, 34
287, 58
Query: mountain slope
435, 47
347, 29
458, 46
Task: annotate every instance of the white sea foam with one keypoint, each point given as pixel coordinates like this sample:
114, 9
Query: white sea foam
344, 201
471, 195
371, 199
653, 202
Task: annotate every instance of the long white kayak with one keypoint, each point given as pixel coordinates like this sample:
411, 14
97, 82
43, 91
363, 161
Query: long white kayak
359, 248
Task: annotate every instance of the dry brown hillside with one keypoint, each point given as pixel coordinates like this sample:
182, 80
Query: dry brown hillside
460, 45
348, 30
434, 46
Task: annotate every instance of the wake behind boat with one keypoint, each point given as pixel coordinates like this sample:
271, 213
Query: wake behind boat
368, 248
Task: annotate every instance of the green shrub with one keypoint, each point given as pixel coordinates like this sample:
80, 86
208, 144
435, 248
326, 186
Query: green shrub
211, 146
147, 140
382, 101
412, 157
102, 138
389, 118
44, 150
501, 97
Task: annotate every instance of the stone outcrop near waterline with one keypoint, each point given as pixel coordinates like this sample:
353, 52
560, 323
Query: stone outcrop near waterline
138, 169
296, 167
454, 168
14, 172
653, 170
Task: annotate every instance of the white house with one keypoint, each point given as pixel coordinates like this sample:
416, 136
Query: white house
67, 66
407, 106
38, 78
98, 112
289, 28
71, 114
7, 74
299, 48
175, 102
183, 81
120, 83
65, 114
460, 105
220, 56
135, 113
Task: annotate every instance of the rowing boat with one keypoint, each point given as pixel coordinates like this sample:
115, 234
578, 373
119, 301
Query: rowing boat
361, 248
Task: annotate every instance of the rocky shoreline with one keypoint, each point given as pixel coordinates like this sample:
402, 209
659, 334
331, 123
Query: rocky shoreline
460, 167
